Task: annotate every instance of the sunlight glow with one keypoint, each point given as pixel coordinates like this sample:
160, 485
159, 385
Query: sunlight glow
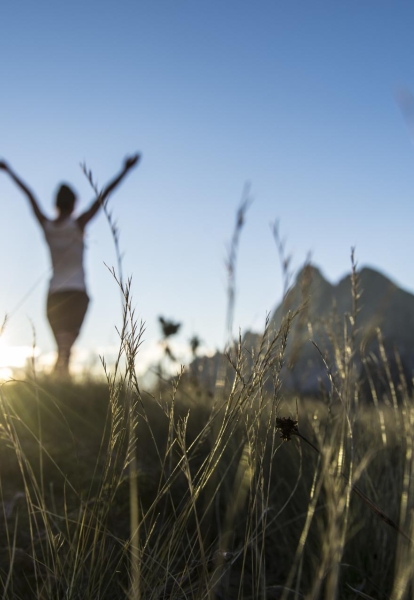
15, 356
5, 374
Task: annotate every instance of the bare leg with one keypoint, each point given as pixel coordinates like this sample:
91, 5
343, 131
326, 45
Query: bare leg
64, 341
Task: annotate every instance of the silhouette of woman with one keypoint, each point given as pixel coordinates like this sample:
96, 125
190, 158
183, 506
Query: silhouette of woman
67, 299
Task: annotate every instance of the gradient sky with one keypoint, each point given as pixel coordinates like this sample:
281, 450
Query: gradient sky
296, 97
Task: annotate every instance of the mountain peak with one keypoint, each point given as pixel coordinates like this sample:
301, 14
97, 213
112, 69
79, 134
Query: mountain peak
310, 271
382, 305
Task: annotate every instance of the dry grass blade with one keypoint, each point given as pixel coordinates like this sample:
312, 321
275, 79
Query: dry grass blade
288, 427
231, 260
361, 594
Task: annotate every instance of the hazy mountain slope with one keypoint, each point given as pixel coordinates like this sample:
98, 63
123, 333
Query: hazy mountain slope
323, 319
382, 305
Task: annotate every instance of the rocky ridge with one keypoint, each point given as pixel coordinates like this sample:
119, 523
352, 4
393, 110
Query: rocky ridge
384, 318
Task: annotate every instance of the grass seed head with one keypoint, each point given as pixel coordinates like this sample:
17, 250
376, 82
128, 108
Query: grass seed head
287, 427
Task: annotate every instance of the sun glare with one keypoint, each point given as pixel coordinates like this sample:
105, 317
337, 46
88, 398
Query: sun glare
6, 374
14, 357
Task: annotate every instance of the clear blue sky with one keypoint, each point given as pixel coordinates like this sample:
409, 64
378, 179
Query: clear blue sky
296, 97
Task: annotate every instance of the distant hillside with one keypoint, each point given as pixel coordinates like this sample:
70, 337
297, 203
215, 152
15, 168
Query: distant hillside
324, 317
382, 305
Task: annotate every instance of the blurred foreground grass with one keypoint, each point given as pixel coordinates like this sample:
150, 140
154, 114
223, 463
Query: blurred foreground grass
227, 509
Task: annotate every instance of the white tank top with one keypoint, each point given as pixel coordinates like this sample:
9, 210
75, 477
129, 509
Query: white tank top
65, 241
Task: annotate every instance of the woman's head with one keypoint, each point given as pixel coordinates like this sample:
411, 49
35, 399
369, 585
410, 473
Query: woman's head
65, 199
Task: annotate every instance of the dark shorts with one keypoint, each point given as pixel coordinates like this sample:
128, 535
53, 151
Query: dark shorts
66, 310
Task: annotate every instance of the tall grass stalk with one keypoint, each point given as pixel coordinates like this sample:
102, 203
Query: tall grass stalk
132, 341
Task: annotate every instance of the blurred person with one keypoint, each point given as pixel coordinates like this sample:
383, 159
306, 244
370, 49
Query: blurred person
67, 299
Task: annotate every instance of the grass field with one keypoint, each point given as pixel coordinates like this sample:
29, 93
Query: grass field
111, 492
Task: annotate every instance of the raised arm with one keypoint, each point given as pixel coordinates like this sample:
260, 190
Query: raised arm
84, 218
38, 213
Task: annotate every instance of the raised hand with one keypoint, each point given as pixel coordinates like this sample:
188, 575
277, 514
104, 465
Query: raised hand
131, 161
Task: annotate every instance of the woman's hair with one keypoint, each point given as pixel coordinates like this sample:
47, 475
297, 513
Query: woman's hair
65, 198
